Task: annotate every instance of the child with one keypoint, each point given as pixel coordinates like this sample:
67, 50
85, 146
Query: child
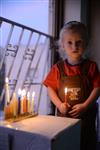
81, 79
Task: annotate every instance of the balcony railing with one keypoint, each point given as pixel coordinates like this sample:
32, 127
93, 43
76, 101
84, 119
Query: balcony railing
25, 53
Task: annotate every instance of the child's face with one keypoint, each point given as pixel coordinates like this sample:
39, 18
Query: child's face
73, 45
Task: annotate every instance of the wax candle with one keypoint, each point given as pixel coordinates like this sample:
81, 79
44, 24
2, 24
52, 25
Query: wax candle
7, 112
28, 102
19, 100
66, 94
7, 94
15, 104
23, 102
32, 105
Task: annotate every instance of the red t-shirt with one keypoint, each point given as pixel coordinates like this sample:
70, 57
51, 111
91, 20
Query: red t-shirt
53, 78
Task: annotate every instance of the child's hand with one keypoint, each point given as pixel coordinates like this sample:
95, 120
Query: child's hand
77, 110
64, 107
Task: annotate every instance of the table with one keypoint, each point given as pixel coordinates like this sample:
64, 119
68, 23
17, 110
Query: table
41, 133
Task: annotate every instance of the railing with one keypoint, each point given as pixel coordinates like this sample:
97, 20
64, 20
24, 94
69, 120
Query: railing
26, 55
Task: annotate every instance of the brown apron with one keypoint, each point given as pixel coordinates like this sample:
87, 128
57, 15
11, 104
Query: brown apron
78, 87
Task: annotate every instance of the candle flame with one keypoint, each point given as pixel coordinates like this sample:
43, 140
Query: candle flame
6, 80
23, 92
65, 90
33, 94
19, 91
28, 94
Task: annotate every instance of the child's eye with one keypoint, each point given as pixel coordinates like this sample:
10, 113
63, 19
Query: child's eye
79, 43
69, 42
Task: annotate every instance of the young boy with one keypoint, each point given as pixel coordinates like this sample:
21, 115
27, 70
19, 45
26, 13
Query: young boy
74, 83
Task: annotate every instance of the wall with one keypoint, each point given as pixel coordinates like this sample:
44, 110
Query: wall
95, 45
72, 10
95, 31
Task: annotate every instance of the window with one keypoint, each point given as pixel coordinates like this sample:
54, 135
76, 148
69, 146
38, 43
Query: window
20, 68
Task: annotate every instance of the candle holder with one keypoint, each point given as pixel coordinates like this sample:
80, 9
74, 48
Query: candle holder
13, 112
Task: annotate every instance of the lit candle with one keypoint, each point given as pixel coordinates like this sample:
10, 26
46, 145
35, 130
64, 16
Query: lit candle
19, 93
7, 91
7, 112
66, 94
19, 100
28, 102
32, 109
14, 104
24, 101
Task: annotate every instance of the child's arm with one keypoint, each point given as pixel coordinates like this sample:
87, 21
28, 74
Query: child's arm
79, 109
93, 97
57, 102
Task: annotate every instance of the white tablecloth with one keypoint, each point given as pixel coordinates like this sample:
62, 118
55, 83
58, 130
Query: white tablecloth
41, 133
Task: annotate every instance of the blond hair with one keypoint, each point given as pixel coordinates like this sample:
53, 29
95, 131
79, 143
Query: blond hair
76, 27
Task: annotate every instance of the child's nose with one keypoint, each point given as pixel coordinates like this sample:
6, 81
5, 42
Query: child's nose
74, 47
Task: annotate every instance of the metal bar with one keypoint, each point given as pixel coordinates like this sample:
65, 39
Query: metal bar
18, 74
37, 64
23, 26
31, 61
36, 45
21, 35
3, 58
25, 51
5, 49
41, 86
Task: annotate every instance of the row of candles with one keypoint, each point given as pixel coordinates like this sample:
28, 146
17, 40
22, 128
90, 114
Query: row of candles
23, 104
